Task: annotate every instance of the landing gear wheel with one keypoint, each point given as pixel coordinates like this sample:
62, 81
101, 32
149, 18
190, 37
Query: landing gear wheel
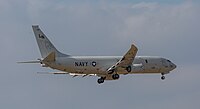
162, 77
100, 80
115, 76
128, 69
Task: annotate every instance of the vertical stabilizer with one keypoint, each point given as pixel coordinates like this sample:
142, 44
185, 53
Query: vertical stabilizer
45, 46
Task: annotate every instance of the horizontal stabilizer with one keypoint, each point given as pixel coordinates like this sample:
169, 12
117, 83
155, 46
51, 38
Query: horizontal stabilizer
31, 62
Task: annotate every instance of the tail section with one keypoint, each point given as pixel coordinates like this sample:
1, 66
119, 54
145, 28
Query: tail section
45, 46
50, 58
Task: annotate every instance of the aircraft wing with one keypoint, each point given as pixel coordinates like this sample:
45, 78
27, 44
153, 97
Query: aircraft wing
126, 60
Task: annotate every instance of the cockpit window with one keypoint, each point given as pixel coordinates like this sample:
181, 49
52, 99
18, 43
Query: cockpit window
168, 60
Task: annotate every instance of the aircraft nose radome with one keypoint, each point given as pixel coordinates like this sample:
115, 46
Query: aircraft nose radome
174, 65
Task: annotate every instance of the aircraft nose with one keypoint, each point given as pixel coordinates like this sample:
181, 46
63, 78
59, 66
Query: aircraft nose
173, 65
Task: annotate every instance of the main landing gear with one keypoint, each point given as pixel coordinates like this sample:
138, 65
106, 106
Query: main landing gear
101, 80
162, 77
109, 77
115, 76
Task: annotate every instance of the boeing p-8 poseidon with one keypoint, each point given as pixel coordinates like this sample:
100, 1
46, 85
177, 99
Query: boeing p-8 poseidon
105, 67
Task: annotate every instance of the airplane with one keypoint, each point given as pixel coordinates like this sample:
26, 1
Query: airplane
105, 67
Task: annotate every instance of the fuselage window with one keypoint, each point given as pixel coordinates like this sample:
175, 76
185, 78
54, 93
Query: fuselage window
146, 61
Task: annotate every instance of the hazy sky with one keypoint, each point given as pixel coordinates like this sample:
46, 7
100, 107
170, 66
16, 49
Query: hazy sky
167, 28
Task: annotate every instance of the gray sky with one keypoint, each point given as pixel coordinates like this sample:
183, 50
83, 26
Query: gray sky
100, 27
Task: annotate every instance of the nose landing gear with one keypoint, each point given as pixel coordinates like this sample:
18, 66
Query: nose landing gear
162, 77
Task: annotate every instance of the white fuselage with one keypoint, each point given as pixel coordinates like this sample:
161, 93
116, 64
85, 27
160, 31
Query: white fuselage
99, 64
